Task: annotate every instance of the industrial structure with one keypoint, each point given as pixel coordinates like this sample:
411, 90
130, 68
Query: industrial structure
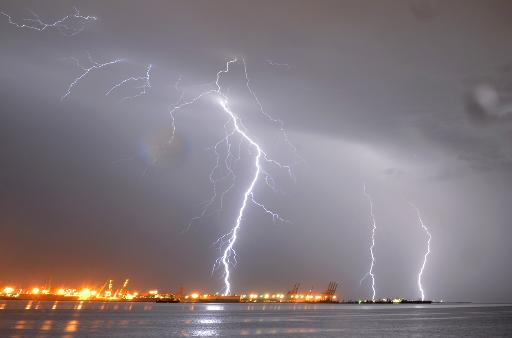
107, 292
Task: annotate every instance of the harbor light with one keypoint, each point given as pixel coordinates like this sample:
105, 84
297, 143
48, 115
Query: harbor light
84, 294
8, 290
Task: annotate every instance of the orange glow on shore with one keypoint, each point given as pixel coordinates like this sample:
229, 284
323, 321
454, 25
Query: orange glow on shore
107, 292
261, 298
8, 290
103, 293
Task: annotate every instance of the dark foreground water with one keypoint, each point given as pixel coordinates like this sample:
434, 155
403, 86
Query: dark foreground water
83, 319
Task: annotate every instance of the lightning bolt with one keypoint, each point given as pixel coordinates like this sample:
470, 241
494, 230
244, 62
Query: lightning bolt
67, 26
146, 84
85, 71
63, 25
248, 194
425, 257
233, 129
372, 245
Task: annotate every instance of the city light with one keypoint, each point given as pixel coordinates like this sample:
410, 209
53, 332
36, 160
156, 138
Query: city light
110, 291
8, 290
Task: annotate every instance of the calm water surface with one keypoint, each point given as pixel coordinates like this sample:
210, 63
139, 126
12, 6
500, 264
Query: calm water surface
83, 319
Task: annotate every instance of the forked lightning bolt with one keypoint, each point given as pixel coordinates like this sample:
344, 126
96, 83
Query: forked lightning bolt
425, 257
372, 245
66, 25
85, 71
234, 130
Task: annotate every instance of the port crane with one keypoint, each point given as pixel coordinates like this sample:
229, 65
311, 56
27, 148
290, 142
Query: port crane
107, 283
120, 291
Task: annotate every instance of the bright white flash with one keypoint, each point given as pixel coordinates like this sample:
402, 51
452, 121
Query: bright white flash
85, 71
372, 245
248, 193
69, 25
425, 257
235, 135
145, 80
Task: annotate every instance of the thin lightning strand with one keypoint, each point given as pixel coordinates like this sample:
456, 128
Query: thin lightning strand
233, 127
425, 257
177, 106
146, 84
277, 64
62, 25
374, 228
277, 122
85, 71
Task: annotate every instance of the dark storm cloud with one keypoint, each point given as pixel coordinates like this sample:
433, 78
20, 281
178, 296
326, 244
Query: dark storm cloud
385, 93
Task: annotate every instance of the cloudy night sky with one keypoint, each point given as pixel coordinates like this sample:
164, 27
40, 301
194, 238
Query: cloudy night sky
411, 97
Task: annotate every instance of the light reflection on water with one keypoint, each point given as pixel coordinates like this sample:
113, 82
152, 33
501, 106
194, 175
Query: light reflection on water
20, 324
215, 307
91, 319
71, 326
47, 325
209, 321
204, 333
